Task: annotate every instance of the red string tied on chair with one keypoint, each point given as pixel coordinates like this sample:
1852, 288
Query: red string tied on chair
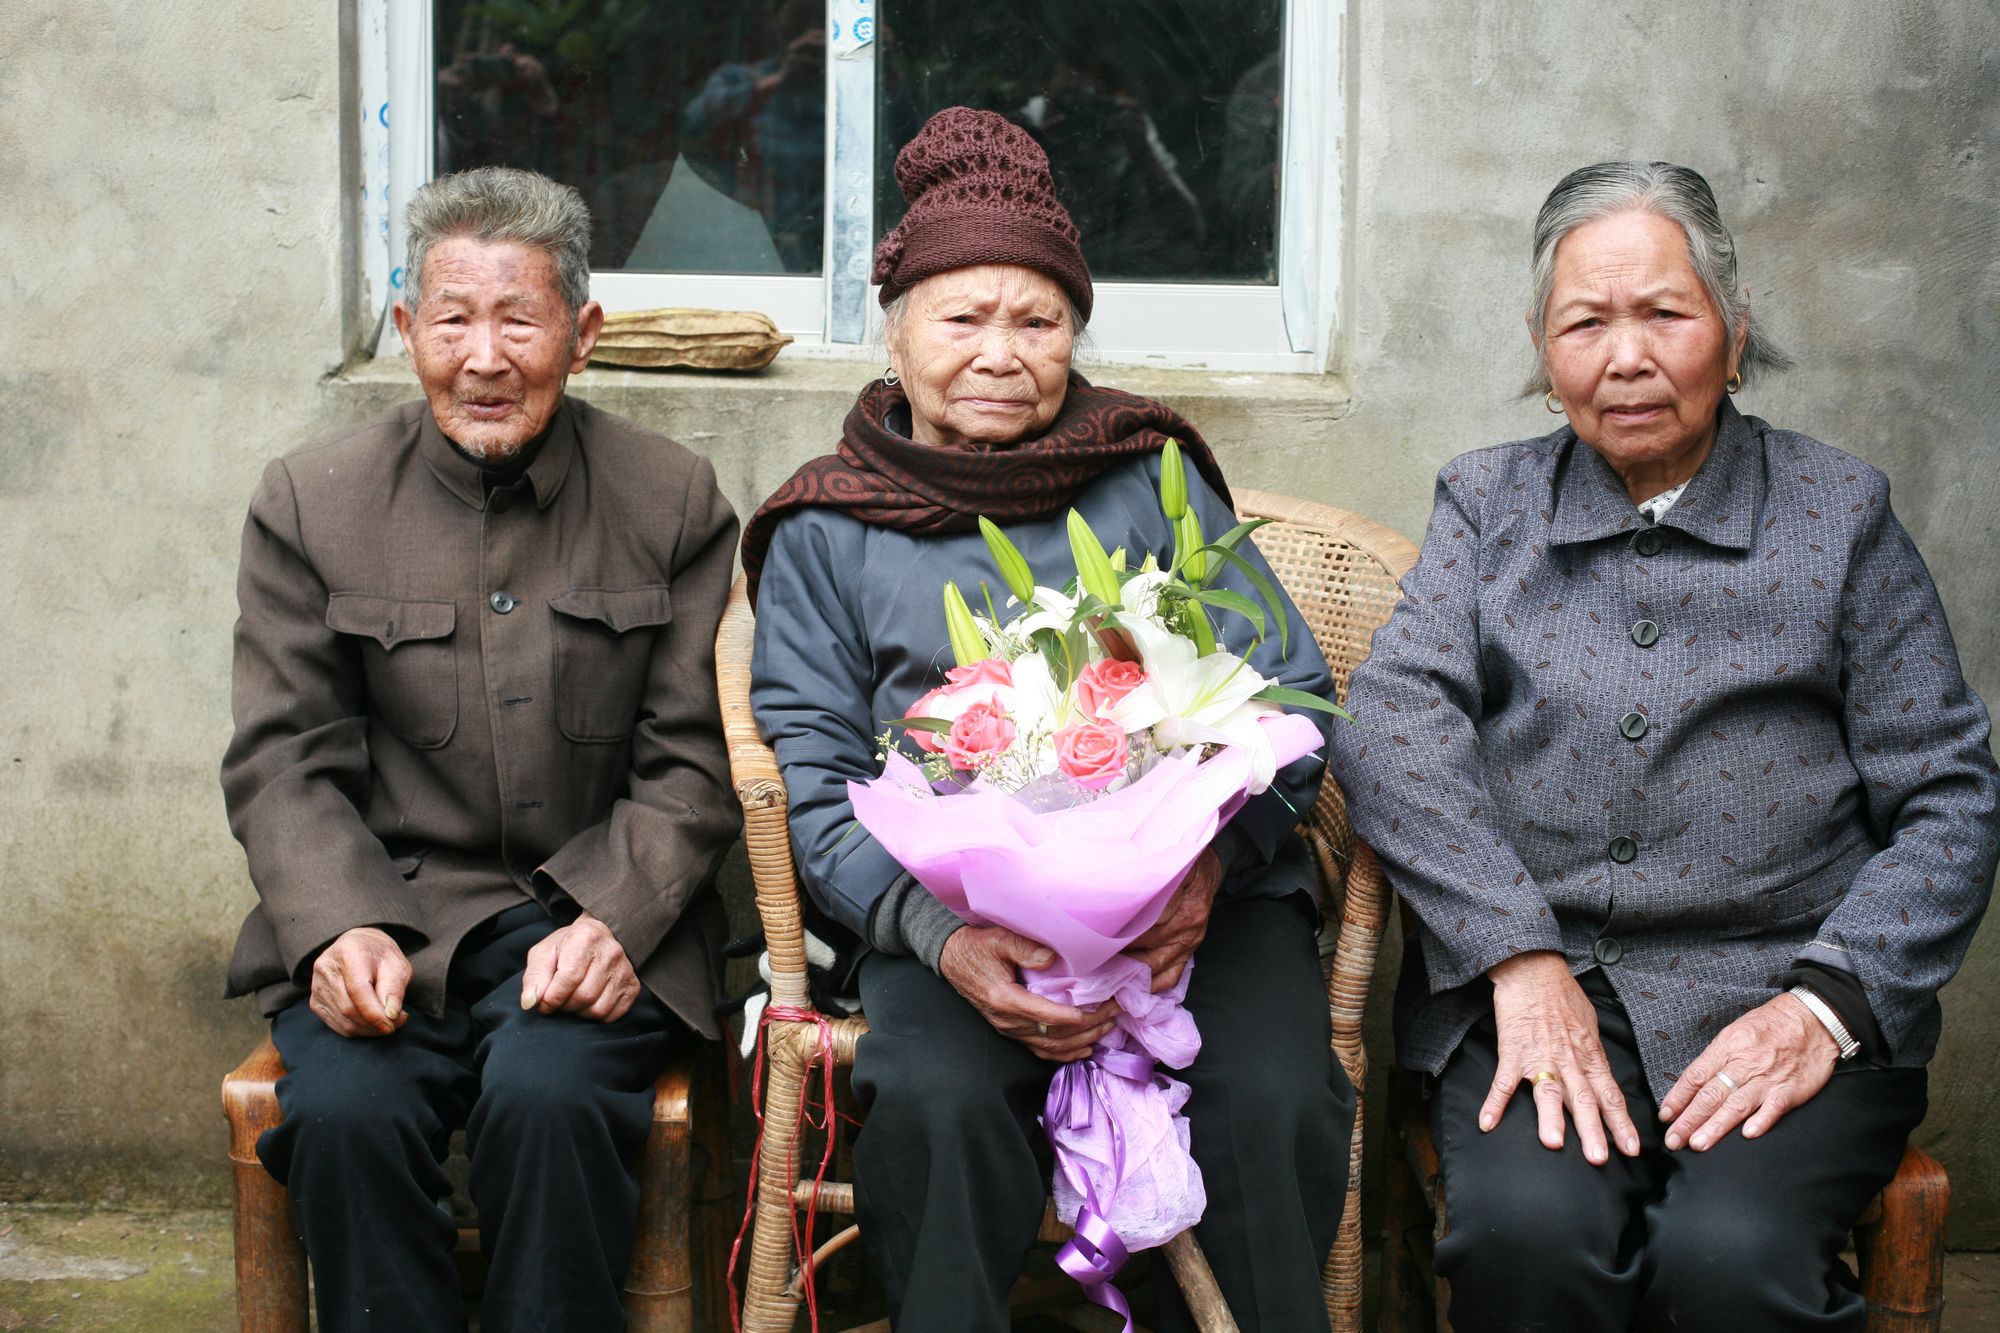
821, 1059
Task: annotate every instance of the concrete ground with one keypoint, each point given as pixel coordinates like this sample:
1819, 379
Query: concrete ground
169, 1272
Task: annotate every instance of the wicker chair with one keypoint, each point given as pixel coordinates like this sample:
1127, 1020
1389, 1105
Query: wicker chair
1341, 571
683, 1205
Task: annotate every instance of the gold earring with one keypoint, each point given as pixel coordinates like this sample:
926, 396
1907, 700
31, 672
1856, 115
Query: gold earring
1553, 403
1734, 382
890, 376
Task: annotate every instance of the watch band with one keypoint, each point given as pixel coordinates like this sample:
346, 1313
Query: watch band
1823, 1011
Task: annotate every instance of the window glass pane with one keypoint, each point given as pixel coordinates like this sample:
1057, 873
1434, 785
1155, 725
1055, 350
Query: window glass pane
696, 129
1160, 118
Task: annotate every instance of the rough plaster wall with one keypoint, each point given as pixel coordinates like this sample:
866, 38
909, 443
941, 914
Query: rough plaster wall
169, 259
181, 227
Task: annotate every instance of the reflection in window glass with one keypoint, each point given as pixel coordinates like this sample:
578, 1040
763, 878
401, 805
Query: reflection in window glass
1160, 118
696, 131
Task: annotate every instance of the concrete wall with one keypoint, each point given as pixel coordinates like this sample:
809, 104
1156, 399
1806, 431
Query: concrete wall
174, 264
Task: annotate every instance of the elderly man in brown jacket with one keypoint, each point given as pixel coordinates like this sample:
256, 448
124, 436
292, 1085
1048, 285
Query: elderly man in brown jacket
479, 775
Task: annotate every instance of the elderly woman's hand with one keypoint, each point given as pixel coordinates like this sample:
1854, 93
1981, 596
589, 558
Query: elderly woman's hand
1181, 928
1771, 1060
982, 963
1546, 1025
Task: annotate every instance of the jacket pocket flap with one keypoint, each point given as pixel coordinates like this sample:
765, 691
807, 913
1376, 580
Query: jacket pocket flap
618, 609
388, 622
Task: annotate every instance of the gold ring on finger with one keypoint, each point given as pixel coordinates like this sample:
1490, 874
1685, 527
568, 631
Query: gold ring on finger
1722, 1077
1041, 1029
1546, 1076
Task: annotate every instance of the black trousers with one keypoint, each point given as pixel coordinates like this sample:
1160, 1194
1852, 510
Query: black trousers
952, 1169
1745, 1236
555, 1109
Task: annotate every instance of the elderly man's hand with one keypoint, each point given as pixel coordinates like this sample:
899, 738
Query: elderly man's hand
358, 983
1777, 1056
1547, 1026
581, 969
1181, 928
981, 963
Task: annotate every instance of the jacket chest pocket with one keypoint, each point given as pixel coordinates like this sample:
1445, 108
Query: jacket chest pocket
409, 660
604, 652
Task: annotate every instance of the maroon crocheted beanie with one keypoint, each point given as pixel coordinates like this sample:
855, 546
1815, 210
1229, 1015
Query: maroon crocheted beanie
979, 192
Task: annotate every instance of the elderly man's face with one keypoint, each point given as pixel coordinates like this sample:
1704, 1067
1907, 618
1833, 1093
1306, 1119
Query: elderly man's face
493, 342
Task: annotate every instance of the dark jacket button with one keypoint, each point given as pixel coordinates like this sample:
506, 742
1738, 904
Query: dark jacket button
1645, 634
1633, 725
1622, 849
500, 502
1608, 951
1648, 543
502, 602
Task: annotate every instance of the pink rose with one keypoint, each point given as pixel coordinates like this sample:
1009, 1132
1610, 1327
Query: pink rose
1093, 754
1104, 683
986, 671
981, 734
927, 741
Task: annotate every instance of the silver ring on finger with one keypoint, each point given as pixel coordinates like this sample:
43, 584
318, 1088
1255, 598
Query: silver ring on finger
1722, 1076
1041, 1029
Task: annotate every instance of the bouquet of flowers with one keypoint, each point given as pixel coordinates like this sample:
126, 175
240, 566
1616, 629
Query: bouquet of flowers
1085, 749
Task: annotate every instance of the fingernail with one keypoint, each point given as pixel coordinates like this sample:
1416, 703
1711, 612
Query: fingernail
1673, 1142
1486, 1122
391, 1008
529, 996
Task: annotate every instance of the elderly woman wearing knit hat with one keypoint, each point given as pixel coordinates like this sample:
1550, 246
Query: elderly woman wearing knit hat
980, 413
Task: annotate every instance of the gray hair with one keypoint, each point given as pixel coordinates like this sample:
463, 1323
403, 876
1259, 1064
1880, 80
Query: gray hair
1681, 196
493, 204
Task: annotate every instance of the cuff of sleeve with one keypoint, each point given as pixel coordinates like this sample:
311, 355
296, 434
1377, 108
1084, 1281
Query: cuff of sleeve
1842, 991
908, 919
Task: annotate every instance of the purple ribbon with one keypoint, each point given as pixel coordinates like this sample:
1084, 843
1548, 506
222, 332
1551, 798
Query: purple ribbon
1095, 1253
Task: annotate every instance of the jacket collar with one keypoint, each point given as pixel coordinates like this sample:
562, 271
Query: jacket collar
463, 478
1720, 505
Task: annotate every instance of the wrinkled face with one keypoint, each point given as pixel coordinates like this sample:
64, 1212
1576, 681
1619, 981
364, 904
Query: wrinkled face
1633, 345
984, 354
493, 343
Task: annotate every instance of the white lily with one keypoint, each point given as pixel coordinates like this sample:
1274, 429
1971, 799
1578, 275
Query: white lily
1053, 611
1189, 700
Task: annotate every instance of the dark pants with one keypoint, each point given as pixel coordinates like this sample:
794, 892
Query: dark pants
1744, 1236
555, 1109
952, 1169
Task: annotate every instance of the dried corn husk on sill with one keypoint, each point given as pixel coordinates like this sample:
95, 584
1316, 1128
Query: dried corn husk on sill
700, 339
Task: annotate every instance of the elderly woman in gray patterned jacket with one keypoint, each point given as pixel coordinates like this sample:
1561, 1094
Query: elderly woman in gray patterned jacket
1668, 748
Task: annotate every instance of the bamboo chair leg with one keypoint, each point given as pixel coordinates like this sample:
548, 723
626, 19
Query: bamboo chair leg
768, 1306
659, 1285
1901, 1251
271, 1294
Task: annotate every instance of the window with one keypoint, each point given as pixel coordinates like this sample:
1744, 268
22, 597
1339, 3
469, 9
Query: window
739, 153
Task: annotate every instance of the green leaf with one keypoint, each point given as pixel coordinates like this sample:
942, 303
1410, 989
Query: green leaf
1173, 482
1284, 694
1093, 566
1056, 651
1013, 566
1230, 600
1194, 624
935, 725
968, 645
1264, 590
1229, 539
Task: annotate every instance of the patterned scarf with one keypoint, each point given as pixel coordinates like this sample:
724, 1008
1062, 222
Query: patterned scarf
882, 477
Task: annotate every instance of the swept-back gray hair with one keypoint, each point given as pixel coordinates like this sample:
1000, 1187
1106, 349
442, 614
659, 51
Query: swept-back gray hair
501, 204
1681, 196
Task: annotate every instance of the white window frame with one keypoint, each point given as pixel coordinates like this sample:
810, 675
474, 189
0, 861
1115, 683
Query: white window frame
1285, 327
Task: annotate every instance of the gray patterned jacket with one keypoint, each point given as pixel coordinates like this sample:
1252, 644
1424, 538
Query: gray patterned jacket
1692, 753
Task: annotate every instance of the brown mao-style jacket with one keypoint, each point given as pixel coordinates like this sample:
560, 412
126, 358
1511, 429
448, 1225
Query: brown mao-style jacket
448, 701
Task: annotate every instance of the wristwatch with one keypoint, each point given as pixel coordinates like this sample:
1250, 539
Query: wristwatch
1823, 1011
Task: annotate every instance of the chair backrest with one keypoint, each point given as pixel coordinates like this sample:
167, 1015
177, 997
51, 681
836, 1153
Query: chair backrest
1341, 570
1338, 567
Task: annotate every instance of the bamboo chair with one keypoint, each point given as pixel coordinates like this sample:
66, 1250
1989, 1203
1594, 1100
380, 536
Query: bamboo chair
683, 1203
1341, 571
